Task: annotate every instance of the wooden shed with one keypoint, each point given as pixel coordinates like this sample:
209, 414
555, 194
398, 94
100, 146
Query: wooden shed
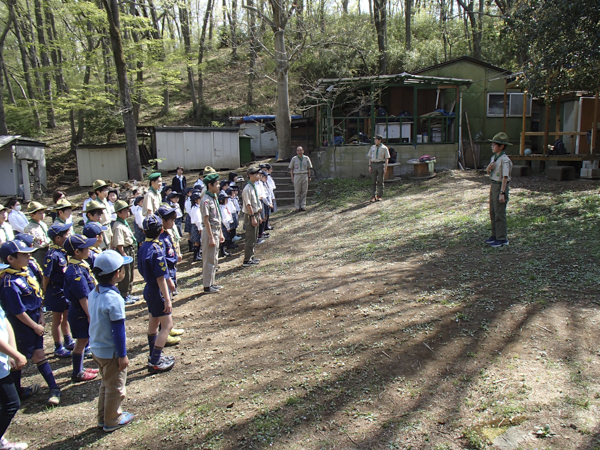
22, 167
101, 162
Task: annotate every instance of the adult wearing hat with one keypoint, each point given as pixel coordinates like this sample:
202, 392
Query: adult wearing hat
124, 242
378, 156
101, 189
6, 231
38, 229
499, 169
64, 211
252, 207
152, 199
212, 236
300, 167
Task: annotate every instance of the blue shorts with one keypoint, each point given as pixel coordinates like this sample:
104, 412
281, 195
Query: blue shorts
55, 299
79, 323
154, 301
27, 340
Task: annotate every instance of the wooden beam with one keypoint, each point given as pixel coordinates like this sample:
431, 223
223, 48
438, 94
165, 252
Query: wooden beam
505, 98
556, 133
547, 127
594, 125
524, 132
557, 127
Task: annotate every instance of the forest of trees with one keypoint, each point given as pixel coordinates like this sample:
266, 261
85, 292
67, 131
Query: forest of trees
93, 65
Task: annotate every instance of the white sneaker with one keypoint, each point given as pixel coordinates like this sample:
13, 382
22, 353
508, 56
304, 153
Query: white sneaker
5, 445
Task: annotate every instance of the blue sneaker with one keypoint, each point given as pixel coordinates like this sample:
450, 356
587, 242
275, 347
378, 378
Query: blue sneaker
62, 352
500, 243
126, 419
69, 345
87, 353
129, 301
490, 240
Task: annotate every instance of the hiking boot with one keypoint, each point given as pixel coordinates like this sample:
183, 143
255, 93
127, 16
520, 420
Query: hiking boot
249, 263
499, 243
84, 375
256, 260
5, 445
490, 240
29, 391
54, 398
126, 419
171, 341
217, 287
176, 332
166, 357
62, 352
260, 241
164, 365
210, 290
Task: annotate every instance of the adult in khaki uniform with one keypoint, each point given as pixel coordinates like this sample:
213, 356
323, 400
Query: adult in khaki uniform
499, 168
379, 156
152, 199
39, 230
212, 235
251, 207
101, 189
124, 242
300, 167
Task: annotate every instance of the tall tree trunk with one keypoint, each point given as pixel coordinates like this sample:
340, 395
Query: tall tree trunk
3, 127
39, 20
283, 120
201, 48
185, 31
11, 94
345, 6
55, 52
139, 82
380, 17
299, 19
233, 26
134, 166
407, 21
252, 50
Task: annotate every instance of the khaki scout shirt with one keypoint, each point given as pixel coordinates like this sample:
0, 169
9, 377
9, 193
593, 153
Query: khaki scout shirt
39, 231
105, 220
209, 208
122, 235
300, 165
503, 168
250, 197
151, 202
378, 154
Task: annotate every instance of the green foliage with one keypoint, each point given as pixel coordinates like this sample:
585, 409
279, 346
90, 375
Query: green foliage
20, 120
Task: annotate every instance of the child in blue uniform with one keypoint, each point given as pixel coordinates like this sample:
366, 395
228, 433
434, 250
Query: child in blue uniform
93, 230
21, 299
55, 263
79, 281
153, 267
32, 266
107, 331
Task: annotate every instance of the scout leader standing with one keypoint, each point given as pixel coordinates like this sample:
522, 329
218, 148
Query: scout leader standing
252, 208
300, 167
101, 189
152, 199
499, 169
124, 242
212, 235
379, 156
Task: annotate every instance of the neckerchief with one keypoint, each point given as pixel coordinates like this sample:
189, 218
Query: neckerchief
53, 246
153, 190
31, 281
377, 152
96, 250
155, 240
255, 191
58, 219
85, 265
299, 159
124, 222
214, 197
498, 156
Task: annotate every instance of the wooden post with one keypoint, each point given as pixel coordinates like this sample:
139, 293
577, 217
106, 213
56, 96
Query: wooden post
524, 122
547, 127
558, 115
505, 98
594, 125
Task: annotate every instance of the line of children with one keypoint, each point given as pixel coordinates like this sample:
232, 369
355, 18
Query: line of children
125, 243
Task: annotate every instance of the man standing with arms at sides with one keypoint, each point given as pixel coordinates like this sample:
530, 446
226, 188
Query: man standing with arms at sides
379, 156
251, 207
300, 167
499, 168
152, 199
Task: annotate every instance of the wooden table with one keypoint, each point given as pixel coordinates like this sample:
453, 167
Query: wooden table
421, 169
389, 172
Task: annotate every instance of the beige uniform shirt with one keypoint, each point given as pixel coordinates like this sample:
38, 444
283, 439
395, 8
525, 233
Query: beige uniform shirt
378, 154
122, 235
39, 231
210, 208
503, 168
151, 202
105, 220
300, 165
250, 197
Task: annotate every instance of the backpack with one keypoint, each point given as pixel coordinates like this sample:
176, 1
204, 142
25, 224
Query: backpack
559, 148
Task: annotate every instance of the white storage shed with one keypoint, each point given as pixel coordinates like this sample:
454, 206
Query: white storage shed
101, 162
197, 147
22, 167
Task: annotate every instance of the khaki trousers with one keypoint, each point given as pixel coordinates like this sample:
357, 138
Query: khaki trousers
251, 236
498, 211
112, 391
126, 284
210, 257
300, 189
377, 178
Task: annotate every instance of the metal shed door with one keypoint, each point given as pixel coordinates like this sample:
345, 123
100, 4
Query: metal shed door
198, 149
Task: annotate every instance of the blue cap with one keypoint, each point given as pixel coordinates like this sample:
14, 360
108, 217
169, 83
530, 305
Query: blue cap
78, 242
15, 246
174, 194
27, 238
152, 222
195, 196
165, 211
3, 266
58, 228
93, 229
109, 261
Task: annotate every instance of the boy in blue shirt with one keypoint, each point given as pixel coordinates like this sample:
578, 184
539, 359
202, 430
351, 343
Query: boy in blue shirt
107, 331
55, 263
79, 281
33, 267
153, 267
21, 299
93, 230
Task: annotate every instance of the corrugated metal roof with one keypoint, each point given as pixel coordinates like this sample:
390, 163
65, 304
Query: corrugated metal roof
404, 77
228, 129
8, 139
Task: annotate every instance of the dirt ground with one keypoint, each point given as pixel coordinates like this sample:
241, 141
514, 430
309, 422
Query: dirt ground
373, 326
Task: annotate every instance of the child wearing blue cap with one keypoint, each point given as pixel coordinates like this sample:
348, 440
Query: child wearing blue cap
79, 281
153, 267
93, 230
32, 266
21, 299
53, 282
107, 332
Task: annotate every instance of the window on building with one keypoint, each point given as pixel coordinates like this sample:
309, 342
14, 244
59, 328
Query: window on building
495, 106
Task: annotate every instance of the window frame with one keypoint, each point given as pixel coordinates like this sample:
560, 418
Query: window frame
509, 97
